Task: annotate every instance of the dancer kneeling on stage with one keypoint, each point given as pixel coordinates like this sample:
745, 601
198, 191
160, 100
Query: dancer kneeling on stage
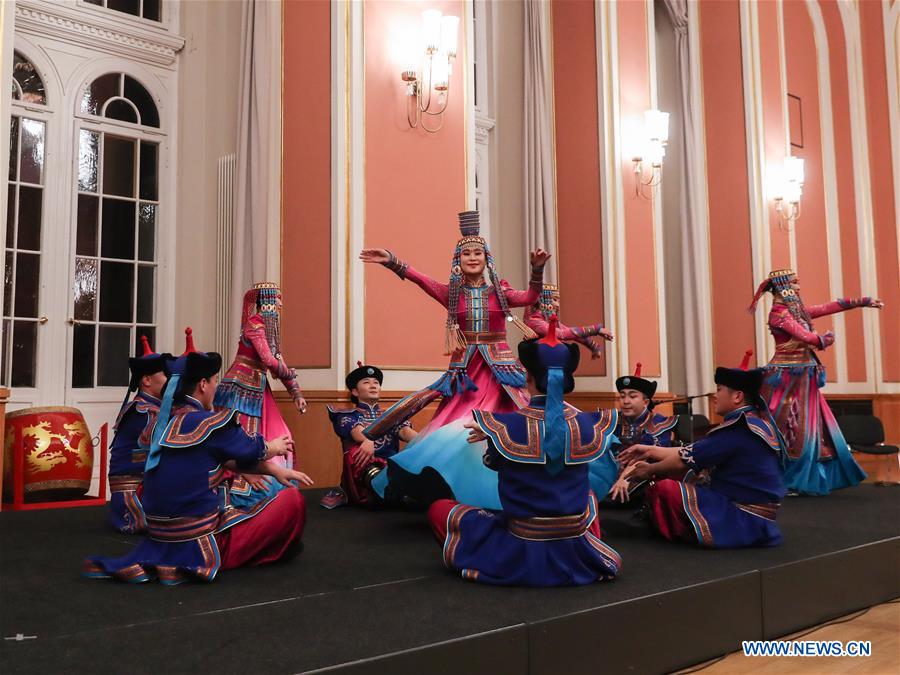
193, 531
128, 451
637, 424
363, 458
744, 453
548, 533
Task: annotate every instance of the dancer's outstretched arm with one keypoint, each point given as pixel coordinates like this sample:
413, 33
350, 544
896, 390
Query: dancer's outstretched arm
536, 322
842, 305
437, 290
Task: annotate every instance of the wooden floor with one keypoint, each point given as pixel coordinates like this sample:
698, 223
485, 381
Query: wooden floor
880, 625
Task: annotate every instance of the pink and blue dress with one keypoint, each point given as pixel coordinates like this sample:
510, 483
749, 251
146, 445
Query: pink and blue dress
485, 375
818, 457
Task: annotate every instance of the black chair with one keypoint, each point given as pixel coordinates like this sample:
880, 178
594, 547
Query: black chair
865, 435
700, 425
691, 428
683, 432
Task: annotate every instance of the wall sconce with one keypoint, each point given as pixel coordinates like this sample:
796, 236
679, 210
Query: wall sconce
427, 71
655, 138
788, 190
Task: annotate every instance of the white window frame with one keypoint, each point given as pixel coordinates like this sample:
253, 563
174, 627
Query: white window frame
71, 43
165, 215
48, 114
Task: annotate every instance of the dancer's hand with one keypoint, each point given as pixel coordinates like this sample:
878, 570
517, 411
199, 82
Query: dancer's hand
476, 435
539, 257
634, 454
300, 405
619, 491
876, 303
640, 471
279, 447
256, 481
374, 255
364, 454
284, 476
606, 334
827, 339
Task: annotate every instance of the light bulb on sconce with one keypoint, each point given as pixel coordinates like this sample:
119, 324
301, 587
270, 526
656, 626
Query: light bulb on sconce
655, 136
426, 71
788, 190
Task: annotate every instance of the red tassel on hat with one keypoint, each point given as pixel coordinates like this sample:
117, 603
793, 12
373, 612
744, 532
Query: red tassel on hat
189, 341
637, 369
146, 344
745, 362
550, 338
359, 364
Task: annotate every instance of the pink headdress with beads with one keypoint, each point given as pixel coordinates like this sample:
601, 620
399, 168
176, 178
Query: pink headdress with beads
261, 300
779, 283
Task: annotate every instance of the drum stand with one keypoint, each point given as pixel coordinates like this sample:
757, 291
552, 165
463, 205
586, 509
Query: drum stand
18, 471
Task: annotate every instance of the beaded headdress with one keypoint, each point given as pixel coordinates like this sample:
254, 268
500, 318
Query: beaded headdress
262, 299
548, 304
470, 227
779, 284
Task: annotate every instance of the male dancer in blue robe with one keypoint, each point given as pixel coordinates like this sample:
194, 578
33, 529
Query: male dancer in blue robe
548, 533
744, 454
192, 529
125, 511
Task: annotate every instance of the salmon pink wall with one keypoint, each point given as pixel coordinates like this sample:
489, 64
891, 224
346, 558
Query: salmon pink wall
579, 243
811, 232
731, 274
884, 215
853, 336
640, 267
306, 184
774, 125
415, 183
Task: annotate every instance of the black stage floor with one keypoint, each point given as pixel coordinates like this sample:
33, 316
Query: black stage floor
370, 595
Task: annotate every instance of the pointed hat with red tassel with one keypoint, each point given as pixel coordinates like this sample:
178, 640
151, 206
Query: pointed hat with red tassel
745, 379
636, 382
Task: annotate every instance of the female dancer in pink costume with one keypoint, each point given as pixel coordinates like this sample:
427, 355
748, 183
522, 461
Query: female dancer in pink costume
483, 374
245, 387
537, 318
818, 458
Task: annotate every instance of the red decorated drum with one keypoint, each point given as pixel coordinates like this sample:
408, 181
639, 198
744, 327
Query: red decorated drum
59, 457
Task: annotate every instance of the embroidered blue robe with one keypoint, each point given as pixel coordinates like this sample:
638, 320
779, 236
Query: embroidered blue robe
547, 533
343, 422
127, 455
185, 499
738, 506
648, 428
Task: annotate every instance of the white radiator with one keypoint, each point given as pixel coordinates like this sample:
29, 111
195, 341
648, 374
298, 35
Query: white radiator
225, 256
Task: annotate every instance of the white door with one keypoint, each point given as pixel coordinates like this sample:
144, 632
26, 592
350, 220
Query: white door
113, 243
31, 229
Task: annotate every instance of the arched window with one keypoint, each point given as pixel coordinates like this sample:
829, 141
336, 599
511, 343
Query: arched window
115, 275
24, 222
148, 9
120, 97
27, 84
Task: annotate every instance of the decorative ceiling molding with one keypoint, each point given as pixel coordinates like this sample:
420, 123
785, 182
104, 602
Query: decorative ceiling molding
91, 29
